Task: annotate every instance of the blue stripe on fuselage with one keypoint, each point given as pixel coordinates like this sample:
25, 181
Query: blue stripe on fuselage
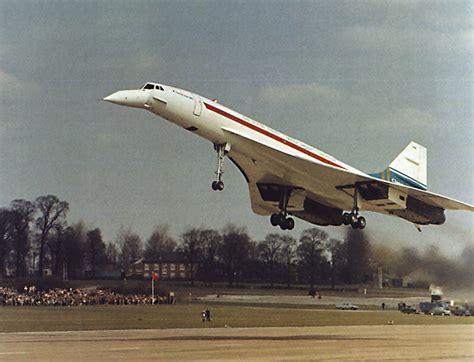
399, 177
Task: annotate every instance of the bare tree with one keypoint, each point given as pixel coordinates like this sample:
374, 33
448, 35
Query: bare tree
309, 251
112, 252
211, 243
270, 253
288, 255
192, 247
130, 245
22, 216
95, 250
74, 242
159, 243
234, 252
52, 213
5, 237
55, 246
334, 249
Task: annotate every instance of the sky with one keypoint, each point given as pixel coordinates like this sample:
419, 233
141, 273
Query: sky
356, 79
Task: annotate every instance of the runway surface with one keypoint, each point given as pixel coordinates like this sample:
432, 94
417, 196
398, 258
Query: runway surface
390, 342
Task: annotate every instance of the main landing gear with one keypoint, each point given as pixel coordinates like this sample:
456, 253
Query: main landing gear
222, 151
353, 218
281, 219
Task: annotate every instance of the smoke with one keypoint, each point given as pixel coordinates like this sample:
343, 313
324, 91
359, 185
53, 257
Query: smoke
427, 267
435, 290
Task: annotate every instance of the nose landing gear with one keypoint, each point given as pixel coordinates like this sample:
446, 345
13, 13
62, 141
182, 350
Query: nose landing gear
222, 150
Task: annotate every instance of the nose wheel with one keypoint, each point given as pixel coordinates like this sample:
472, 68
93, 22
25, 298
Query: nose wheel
222, 150
217, 185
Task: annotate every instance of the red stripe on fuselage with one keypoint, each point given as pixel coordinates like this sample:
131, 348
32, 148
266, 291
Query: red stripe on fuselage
271, 135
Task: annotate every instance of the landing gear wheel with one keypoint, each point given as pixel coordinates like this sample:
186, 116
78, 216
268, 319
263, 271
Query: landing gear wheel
346, 218
361, 223
275, 219
217, 185
290, 223
353, 219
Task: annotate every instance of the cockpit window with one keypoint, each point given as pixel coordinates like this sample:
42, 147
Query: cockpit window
159, 87
149, 86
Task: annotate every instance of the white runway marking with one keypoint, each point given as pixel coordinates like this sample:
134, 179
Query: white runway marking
123, 349
12, 353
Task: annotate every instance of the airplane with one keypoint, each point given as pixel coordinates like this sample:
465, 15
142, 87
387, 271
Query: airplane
287, 177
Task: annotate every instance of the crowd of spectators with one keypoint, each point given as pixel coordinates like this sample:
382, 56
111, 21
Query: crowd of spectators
30, 296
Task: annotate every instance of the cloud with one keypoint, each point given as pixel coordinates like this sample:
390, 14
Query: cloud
410, 117
11, 86
8, 81
394, 39
332, 103
298, 92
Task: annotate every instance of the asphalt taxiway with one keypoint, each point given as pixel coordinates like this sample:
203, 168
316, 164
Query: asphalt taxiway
390, 342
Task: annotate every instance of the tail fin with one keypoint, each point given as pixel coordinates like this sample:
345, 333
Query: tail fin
408, 168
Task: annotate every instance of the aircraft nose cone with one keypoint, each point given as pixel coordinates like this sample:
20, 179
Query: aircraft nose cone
114, 98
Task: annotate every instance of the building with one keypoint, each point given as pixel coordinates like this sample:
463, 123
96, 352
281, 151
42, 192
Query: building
169, 267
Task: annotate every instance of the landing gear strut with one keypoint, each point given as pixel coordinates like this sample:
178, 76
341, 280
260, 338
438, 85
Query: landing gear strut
281, 219
353, 218
222, 151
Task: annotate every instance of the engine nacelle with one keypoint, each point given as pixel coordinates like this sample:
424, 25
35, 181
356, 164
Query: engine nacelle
421, 213
319, 214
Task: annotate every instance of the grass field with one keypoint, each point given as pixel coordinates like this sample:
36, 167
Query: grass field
24, 319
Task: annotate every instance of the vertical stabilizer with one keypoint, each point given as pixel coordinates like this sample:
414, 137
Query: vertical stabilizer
409, 167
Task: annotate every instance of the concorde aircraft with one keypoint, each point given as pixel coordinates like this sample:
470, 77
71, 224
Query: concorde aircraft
287, 177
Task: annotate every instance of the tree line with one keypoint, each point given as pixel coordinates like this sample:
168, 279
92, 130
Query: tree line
35, 235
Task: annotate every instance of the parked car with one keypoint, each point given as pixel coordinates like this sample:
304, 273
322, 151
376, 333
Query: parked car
462, 311
346, 306
409, 310
440, 311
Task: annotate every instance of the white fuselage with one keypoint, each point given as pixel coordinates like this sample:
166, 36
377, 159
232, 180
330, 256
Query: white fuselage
210, 119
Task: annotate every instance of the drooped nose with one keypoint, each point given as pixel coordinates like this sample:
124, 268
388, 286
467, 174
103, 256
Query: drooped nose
118, 98
129, 98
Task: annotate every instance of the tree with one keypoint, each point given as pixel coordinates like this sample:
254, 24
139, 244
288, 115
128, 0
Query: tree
22, 213
74, 241
159, 243
211, 244
288, 254
5, 237
111, 252
309, 251
234, 252
192, 247
270, 252
95, 250
55, 245
130, 246
52, 213
335, 250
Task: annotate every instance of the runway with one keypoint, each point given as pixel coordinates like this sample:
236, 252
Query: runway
390, 342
